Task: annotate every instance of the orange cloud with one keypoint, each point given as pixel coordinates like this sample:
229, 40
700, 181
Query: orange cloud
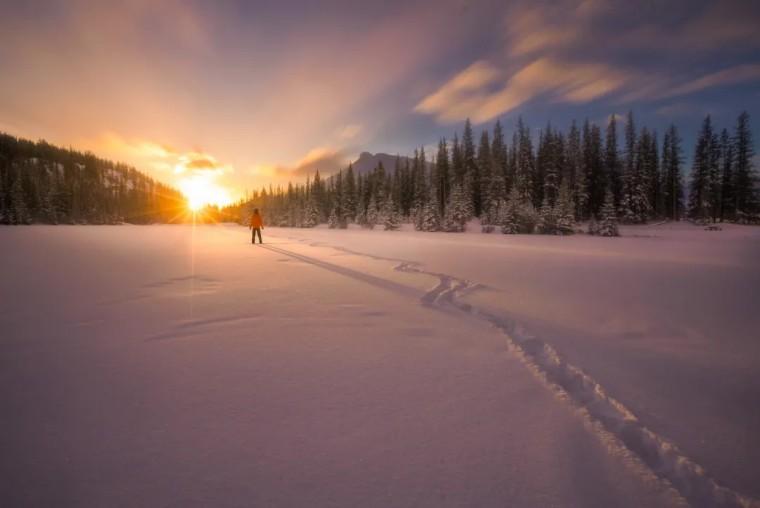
322, 159
561, 81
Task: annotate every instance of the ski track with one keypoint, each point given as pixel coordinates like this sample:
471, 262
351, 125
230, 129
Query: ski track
661, 457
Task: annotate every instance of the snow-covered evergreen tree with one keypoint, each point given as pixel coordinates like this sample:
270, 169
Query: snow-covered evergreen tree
311, 214
607, 225
565, 211
391, 221
457, 213
332, 220
547, 221
576, 171
431, 218
509, 213
372, 214
700, 206
4, 218
18, 202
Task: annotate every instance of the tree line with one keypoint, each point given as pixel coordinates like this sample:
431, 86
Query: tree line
581, 175
45, 184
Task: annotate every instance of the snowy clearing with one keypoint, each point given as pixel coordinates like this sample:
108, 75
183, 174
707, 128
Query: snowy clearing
167, 365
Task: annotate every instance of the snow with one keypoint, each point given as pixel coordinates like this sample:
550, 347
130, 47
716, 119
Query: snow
172, 365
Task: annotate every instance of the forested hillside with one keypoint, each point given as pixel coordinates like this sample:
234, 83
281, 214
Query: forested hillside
542, 183
41, 183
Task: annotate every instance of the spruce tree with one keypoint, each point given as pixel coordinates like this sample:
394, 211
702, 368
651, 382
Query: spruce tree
4, 218
547, 223
498, 186
565, 211
509, 218
471, 174
727, 195
482, 191
350, 197
744, 174
672, 187
18, 201
457, 213
390, 215
332, 220
576, 175
525, 163
634, 204
700, 207
431, 217
372, 214
442, 176
607, 225
612, 165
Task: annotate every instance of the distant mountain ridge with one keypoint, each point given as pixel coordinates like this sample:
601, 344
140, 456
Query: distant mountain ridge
368, 161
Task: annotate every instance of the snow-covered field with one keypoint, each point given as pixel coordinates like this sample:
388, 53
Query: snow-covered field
180, 366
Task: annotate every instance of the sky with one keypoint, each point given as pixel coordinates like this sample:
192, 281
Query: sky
232, 95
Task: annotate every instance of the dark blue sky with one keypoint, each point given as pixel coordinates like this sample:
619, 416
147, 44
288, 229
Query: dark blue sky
264, 91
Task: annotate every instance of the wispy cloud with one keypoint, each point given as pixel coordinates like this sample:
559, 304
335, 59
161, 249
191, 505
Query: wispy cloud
730, 76
326, 160
350, 131
577, 51
467, 94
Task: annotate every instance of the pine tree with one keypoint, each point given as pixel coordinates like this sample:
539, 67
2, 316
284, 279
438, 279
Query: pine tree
311, 214
727, 195
442, 177
498, 186
634, 204
372, 214
18, 202
4, 216
700, 206
332, 220
612, 161
457, 213
431, 218
509, 216
525, 163
350, 198
744, 174
607, 225
547, 222
576, 175
471, 172
593, 163
565, 211
457, 162
482, 191
390, 215
672, 186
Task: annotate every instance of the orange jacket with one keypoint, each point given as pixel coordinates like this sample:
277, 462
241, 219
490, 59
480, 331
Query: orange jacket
256, 221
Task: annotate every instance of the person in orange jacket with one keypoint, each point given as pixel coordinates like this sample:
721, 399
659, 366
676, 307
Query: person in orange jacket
257, 224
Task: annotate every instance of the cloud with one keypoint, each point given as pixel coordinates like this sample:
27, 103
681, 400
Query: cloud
730, 76
467, 95
350, 131
450, 100
202, 163
323, 159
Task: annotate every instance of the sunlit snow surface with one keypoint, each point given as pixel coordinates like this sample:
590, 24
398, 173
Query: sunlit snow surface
172, 366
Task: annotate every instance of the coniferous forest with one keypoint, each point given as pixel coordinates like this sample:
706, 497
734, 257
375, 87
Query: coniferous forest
544, 184
41, 183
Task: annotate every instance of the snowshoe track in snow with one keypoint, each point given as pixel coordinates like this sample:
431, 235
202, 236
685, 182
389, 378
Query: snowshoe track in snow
660, 456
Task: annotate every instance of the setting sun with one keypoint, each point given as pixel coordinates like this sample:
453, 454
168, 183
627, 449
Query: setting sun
201, 191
